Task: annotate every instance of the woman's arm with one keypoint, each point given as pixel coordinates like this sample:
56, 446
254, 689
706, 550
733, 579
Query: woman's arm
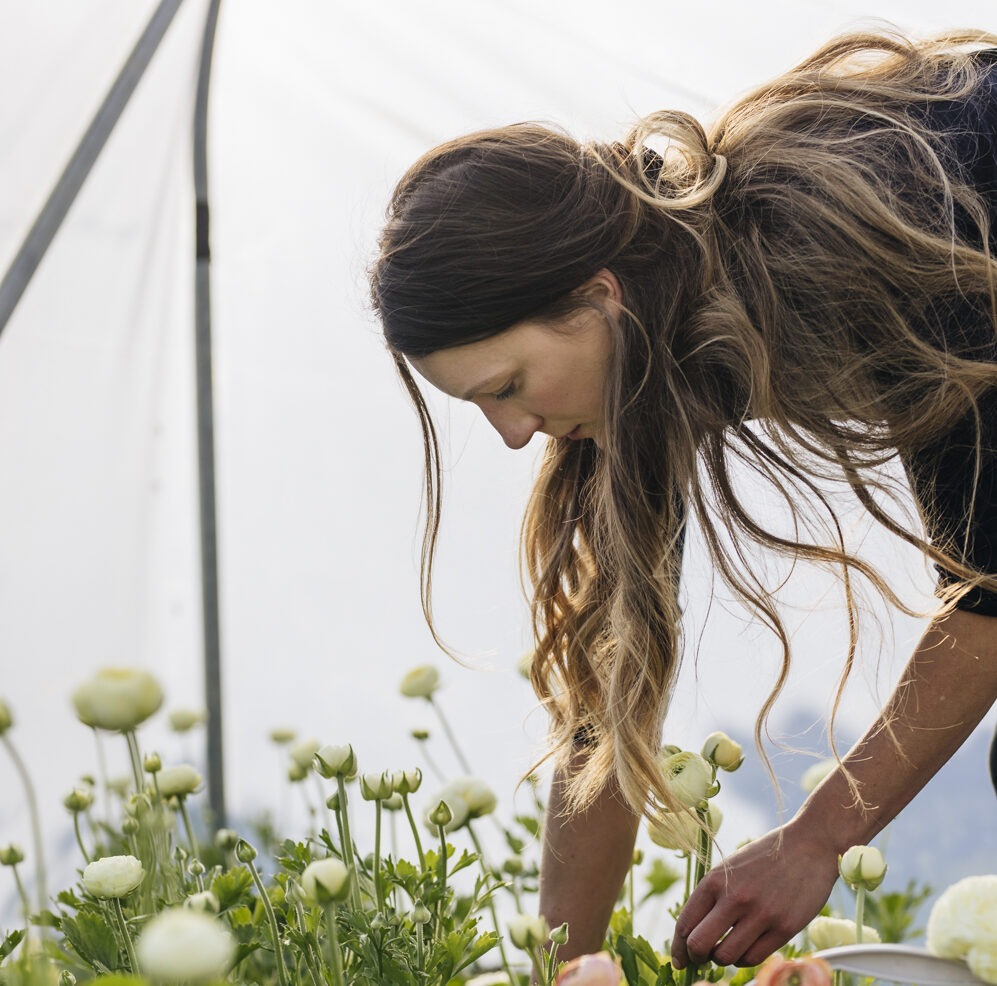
584, 863
773, 887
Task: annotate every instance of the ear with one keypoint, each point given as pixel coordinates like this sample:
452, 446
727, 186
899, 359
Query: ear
602, 288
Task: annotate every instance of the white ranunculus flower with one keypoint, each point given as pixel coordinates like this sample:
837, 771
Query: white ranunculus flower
113, 876
117, 698
420, 682
982, 962
862, 865
185, 946
180, 780
688, 777
815, 773
303, 752
527, 931
964, 917
458, 811
681, 831
325, 880
827, 932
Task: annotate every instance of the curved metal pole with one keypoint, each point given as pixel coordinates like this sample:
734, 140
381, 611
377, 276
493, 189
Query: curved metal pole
205, 432
48, 221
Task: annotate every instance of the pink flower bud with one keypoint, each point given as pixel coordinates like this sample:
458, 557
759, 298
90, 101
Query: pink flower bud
590, 970
778, 971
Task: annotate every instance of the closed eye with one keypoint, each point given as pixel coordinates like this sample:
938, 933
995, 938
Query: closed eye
505, 393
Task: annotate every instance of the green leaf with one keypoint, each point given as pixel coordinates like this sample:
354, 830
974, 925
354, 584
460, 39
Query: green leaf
666, 975
120, 979
46, 919
515, 844
628, 961
643, 950
531, 824
660, 879
242, 950
93, 940
485, 943
10, 943
232, 887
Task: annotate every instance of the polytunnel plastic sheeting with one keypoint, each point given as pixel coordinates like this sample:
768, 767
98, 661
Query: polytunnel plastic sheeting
317, 108
98, 536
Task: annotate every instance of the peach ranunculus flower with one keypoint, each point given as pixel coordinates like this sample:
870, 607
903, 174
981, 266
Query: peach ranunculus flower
779, 971
590, 970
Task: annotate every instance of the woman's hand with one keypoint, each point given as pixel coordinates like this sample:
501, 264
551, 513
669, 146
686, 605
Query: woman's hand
764, 894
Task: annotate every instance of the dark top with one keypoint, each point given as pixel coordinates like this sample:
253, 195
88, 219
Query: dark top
941, 474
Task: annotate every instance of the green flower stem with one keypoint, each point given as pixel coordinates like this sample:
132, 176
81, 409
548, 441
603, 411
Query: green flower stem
688, 878
378, 893
630, 893
344, 807
311, 962
702, 848
859, 912
538, 967
36, 825
191, 840
415, 833
272, 918
79, 837
135, 757
321, 799
342, 840
431, 762
25, 905
102, 776
420, 947
461, 759
335, 956
123, 927
491, 902
442, 872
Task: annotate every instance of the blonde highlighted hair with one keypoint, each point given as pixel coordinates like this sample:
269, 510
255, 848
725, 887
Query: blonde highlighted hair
790, 265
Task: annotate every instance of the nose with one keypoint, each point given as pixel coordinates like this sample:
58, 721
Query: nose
515, 425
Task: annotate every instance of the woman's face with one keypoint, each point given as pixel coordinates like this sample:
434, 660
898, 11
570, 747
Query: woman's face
538, 376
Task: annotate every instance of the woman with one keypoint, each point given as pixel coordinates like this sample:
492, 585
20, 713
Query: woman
810, 288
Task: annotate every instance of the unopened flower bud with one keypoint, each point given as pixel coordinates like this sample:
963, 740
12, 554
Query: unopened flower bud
138, 805
335, 761
129, 825
296, 773
152, 763
526, 931
721, 751
862, 866
183, 720
441, 815
420, 682
226, 839
420, 913
375, 787
325, 881
332, 802
420, 735
513, 865
559, 936
303, 751
204, 901
282, 736
638, 857
394, 803
6, 719
79, 799
66, 978
11, 855
407, 781
688, 776
196, 868
244, 852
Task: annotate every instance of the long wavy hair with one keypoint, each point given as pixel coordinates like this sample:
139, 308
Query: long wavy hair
789, 266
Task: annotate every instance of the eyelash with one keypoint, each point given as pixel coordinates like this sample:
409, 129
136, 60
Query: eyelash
505, 394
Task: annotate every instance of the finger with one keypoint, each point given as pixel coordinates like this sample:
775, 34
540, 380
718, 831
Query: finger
702, 940
742, 937
763, 948
699, 904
